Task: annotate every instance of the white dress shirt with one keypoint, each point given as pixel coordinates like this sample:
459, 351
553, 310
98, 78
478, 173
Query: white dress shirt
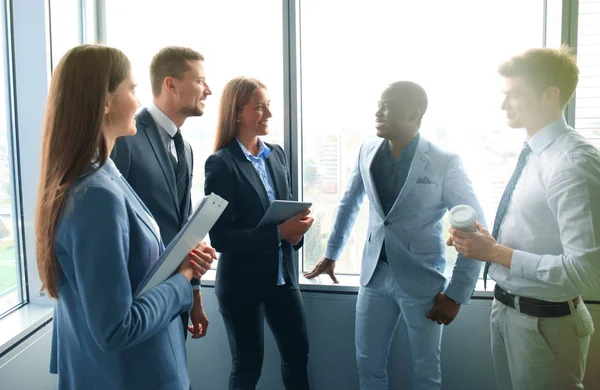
166, 127
553, 220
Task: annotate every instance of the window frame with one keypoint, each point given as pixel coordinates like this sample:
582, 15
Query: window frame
28, 55
568, 35
28, 60
13, 157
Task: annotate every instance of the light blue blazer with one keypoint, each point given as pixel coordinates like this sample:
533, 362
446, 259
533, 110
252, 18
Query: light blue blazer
103, 337
412, 229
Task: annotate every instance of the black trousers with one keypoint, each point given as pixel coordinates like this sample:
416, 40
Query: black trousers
244, 322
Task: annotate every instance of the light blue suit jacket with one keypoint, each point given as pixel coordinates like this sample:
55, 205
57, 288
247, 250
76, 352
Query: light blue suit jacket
103, 337
412, 229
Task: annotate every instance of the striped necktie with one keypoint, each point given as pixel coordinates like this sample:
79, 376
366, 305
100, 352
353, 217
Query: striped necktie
505, 201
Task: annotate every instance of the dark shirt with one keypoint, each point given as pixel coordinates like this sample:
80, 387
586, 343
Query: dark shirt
389, 176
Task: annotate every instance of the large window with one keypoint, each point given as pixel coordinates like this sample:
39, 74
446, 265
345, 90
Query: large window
587, 98
349, 53
236, 37
11, 293
65, 27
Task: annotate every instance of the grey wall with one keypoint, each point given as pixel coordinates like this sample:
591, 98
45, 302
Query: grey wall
26, 367
466, 355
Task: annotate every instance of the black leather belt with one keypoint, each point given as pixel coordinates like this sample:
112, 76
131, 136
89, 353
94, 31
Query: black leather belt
534, 307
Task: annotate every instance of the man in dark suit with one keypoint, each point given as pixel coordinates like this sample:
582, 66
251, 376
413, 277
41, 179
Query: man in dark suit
157, 162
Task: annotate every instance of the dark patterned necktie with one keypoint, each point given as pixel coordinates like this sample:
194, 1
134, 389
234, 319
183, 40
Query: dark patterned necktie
505, 201
181, 172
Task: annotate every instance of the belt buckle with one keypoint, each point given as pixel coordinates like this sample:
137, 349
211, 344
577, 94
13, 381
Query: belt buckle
508, 299
503, 291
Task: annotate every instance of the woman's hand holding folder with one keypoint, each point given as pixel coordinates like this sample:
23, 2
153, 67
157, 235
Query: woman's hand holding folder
198, 261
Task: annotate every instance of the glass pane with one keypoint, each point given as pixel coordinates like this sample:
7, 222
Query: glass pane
587, 102
64, 27
452, 49
247, 42
10, 291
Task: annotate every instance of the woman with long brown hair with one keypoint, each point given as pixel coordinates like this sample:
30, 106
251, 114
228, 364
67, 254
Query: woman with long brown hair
96, 240
256, 277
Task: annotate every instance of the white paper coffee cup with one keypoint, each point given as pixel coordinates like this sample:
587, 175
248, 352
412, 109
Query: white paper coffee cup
463, 217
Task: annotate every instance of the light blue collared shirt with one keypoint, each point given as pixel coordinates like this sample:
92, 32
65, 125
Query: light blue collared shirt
553, 219
260, 165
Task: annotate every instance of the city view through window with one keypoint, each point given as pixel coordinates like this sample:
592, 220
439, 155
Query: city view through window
348, 54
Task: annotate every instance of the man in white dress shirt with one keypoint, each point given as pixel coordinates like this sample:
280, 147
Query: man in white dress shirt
544, 252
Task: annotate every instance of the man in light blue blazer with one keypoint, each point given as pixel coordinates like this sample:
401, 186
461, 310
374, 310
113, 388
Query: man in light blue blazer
410, 184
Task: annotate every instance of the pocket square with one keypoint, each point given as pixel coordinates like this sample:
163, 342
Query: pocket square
424, 180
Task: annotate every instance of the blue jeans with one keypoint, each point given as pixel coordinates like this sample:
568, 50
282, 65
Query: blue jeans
380, 306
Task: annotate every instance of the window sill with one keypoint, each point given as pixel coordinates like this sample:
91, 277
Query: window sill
348, 284
351, 284
17, 326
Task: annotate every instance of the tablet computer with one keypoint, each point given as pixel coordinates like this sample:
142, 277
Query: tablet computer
280, 210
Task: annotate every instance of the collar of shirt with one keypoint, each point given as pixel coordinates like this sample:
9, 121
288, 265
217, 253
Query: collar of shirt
111, 169
163, 122
406, 155
109, 166
263, 150
543, 138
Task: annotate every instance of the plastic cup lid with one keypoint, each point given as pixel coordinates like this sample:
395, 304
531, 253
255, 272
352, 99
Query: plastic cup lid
462, 216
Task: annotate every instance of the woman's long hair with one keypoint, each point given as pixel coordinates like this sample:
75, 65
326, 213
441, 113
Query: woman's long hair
236, 94
72, 137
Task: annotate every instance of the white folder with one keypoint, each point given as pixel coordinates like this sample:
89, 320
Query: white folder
197, 227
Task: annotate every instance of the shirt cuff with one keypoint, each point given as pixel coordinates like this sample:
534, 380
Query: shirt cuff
524, 264
196, 287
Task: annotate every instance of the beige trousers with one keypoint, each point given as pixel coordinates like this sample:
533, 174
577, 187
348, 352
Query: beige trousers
532, 353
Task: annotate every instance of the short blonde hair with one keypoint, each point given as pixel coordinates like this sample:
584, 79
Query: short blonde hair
545, 68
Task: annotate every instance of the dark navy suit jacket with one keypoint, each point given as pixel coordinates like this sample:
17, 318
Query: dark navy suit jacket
249, 254
146, 165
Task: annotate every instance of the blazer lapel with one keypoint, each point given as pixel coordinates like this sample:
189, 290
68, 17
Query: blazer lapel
160, 152
142, 211
416, 168
249, 173
370, 184
138, 206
